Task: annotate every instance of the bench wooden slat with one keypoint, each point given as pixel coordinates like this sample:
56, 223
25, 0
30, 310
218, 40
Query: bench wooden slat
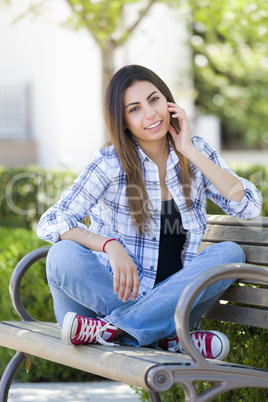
261, 221
255, 254
246, 295
238, 315
252, 282
240, 234
46, 328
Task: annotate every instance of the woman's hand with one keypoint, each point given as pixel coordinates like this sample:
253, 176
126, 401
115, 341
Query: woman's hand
226, 183
126, 278
182, 139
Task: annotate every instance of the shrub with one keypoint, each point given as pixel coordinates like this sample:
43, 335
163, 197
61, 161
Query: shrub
27, 192
257, 175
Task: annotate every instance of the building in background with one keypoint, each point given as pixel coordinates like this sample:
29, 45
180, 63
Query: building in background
50, 83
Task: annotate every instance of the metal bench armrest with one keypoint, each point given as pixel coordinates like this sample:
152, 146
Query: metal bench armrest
16, 278
202, 281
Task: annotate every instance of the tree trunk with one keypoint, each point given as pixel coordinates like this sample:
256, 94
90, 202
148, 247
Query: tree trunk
107, 55
108, 69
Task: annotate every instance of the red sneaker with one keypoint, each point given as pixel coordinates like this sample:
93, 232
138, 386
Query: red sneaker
211, 344
78, 330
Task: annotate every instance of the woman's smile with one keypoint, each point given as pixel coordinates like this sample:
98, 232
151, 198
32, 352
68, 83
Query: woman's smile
155, 126
146, 112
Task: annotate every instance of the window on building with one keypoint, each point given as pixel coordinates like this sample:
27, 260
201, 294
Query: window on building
15, 112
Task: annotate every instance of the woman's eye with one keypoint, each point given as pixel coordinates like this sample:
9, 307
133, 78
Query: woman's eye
155, 98
134, 109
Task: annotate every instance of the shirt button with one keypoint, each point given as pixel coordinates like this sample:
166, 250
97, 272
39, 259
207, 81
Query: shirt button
154, 183
144, 293
151, 267
154, 238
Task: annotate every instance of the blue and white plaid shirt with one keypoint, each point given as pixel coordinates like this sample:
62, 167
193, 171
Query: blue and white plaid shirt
100, 191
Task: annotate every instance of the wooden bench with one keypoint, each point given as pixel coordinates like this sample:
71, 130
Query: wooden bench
153, 369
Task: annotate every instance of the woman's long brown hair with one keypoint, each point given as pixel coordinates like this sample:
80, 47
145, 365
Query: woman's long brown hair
126, 149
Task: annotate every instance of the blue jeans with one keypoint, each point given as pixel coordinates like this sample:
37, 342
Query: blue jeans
80, 283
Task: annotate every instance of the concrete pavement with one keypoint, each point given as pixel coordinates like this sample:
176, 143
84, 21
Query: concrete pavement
72, 392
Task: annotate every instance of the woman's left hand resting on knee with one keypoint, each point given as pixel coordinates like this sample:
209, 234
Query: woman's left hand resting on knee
125, 273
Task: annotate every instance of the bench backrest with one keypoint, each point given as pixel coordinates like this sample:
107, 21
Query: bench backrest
247, 300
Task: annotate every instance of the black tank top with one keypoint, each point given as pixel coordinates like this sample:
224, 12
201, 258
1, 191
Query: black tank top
172, 239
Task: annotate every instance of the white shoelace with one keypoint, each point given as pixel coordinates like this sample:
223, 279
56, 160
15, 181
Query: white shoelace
94, 330
201, 348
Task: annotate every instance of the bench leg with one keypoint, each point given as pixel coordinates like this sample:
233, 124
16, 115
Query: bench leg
9, 374
154, 396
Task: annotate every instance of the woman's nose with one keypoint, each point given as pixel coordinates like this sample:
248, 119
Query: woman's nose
149, 112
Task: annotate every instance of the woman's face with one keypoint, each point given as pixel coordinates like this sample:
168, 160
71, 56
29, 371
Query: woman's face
146, 113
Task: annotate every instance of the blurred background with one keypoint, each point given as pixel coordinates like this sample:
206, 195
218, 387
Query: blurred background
56, 58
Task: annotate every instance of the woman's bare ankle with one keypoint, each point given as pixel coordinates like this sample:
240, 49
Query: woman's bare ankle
118, 333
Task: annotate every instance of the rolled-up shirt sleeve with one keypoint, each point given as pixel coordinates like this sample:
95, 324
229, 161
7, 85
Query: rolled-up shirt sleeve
76, 202
249, 207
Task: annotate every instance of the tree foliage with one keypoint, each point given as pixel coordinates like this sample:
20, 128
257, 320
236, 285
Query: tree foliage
230, 49
106, 19
109, 22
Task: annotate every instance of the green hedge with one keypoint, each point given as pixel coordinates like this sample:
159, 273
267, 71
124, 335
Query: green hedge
257, 175
25, 193
14, 245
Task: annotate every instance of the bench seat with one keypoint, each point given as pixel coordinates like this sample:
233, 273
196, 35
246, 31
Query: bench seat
153, 369
121, 363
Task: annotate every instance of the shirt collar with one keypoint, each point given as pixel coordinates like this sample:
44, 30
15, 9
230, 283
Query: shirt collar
142, 154
173, 158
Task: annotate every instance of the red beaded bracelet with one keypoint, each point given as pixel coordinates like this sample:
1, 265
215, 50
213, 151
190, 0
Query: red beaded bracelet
107, 241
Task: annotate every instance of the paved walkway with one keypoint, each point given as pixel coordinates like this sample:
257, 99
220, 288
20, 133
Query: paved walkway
72, 392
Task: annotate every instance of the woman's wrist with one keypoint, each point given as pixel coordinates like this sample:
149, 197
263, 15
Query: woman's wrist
105, 243
191, 153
